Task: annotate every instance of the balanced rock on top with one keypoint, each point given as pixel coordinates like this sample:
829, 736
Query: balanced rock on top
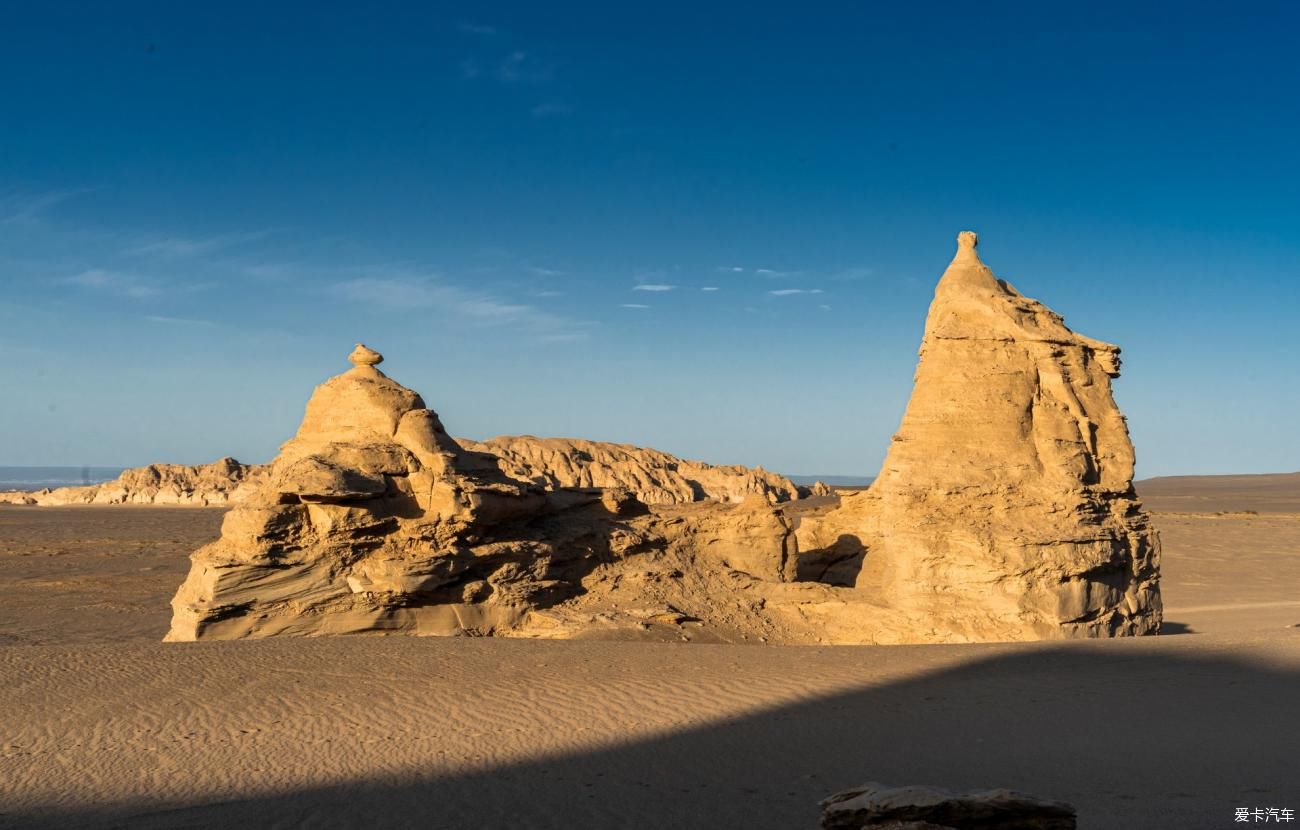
1005, 507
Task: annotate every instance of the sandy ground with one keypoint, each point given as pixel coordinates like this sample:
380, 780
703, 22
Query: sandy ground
103, 726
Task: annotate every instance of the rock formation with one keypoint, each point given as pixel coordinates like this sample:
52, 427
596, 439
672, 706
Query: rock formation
880, 807
373, 519
653, 477
207, 485
1005, 507
1004, 511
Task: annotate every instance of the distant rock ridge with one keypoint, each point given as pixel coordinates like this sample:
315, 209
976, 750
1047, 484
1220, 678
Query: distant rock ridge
218, 484
653, 477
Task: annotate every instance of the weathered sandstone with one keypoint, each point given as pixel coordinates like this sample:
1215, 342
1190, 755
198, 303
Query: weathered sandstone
1004, 511
1005, 507
373, 519
217, 484
652, 476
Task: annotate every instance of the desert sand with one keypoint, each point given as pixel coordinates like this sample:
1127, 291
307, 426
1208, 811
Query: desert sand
104, 726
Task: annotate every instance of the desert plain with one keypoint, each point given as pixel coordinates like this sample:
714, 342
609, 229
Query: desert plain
106, 726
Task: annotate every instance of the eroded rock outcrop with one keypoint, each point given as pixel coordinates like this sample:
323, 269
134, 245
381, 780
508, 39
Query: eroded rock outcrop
373, 519
652, 476
205, 485
1005, 507
1004, 511
879, 807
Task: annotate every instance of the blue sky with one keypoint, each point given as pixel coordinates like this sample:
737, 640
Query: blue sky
708, 228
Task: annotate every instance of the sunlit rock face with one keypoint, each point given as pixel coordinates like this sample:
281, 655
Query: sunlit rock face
1004, 510
1005, 507
653, 477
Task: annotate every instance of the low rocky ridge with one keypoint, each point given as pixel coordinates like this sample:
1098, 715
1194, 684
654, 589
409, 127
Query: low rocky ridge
653, 477
1004, 511
217, 484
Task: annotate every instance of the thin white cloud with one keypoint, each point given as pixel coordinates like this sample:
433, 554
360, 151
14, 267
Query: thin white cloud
176, 246
469, 70
546, 272
177, 321
710, 288
653, 286
824, 307
634, 305
412, 293
548, 293
789, 292
113, 282
18, 210
850, 274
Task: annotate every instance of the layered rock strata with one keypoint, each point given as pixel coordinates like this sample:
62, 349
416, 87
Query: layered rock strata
217, 484
1005, 507
653, 477
373, 519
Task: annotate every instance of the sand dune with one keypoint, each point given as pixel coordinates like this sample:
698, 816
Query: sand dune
104, 726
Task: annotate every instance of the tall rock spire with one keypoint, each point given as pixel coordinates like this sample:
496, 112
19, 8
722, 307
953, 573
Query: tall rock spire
1005, 506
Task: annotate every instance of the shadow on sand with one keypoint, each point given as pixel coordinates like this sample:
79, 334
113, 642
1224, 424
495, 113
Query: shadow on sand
1135, 734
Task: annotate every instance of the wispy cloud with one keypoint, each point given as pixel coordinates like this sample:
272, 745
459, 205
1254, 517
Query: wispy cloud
788, 292
548, 293
710, 288
18, 209
546, 272
476, 29
634, 305
177, 246
113, 282
653, 286
178, 321
415, 293
469, 70
850, 274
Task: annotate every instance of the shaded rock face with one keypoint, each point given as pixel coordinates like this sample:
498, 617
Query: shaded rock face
220, 483
926, 808
1005, 507
652, 476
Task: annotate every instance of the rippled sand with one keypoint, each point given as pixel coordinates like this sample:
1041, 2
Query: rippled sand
104, 726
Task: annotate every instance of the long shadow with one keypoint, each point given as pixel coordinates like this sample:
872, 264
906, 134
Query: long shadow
1133, 737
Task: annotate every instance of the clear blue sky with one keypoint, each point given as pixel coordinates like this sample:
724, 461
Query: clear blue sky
708, 228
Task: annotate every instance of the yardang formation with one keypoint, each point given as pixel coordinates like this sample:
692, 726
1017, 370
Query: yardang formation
1004, 510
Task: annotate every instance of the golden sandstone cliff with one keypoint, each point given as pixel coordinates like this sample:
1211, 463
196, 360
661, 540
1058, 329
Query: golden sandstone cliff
1004, 510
